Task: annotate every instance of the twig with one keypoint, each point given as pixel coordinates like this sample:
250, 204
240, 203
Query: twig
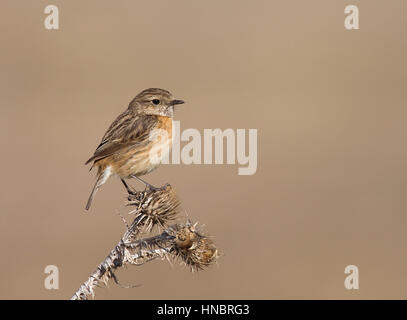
183, 241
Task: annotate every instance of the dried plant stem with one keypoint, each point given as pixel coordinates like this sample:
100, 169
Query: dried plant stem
183, 241
118, 257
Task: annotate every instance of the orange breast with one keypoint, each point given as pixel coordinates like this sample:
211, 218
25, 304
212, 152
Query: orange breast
165, 123
143, 158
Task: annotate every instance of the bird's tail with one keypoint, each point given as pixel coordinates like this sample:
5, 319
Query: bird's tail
102, 177
95, 188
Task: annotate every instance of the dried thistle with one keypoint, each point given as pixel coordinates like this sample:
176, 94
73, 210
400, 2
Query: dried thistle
195, 249
153, 207
184, 242
180, 241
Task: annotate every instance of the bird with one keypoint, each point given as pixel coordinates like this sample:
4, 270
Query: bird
144, 129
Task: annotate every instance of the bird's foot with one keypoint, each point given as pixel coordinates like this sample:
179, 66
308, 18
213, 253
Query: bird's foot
152, 188
148, 185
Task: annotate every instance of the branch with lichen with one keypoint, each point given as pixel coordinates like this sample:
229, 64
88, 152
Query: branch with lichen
181, 241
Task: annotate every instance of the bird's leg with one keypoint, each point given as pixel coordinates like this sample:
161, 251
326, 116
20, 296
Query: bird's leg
151, 187
129, 190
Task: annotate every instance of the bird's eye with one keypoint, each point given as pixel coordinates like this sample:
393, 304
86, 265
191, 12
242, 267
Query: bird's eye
156, 101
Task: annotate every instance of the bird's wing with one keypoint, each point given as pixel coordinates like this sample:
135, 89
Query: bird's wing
126, 131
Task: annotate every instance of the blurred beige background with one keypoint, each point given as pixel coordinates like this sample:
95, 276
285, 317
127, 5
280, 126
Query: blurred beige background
330, 109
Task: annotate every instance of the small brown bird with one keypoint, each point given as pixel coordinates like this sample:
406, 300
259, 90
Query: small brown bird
126, 148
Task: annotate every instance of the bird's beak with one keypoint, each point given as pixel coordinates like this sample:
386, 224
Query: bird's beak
175, 102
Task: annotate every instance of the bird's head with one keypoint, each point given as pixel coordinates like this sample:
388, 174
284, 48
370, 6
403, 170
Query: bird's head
155, 101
